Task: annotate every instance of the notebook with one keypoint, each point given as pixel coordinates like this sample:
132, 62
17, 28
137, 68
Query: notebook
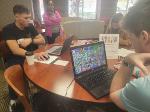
90, 68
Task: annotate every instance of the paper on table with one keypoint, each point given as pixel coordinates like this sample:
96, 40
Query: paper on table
121, 53
49, 61
61, 62
124, 52
111, 55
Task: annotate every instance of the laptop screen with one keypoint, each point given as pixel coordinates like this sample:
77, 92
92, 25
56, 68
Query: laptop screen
88, 57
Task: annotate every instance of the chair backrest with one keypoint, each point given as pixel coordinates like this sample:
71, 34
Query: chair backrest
4, 50
67, 19
86, 29
14, 77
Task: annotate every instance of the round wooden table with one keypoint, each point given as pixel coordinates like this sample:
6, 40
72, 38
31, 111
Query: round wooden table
59, 79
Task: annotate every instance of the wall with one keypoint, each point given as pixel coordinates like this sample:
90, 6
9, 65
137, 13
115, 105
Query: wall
6, 13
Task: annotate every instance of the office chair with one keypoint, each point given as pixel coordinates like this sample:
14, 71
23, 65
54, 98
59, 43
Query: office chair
14, 77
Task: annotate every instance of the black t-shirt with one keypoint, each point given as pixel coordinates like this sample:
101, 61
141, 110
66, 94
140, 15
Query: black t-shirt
12, 32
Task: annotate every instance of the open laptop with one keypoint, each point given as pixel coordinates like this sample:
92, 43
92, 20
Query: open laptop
90, 68
59, 49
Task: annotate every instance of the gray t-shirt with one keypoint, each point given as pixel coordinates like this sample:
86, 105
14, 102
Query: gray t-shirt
136, 95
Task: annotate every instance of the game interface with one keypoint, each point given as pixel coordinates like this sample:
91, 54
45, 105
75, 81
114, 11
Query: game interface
88, 57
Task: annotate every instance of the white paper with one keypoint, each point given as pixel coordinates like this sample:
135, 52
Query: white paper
111, 44
61, 62
49, 61
124, 52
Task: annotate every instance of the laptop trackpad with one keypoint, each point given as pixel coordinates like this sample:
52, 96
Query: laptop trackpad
99, 92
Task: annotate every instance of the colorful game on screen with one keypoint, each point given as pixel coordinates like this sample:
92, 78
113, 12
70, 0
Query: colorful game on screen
88, 57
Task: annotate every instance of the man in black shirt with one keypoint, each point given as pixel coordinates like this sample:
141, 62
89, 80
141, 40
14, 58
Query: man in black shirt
21, 37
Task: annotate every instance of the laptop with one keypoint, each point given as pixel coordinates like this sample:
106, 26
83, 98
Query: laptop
90, 68
60, 49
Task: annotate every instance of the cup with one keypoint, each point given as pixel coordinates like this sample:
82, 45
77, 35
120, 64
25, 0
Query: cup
29, 58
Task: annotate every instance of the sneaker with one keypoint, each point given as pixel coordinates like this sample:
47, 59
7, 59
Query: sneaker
15, 106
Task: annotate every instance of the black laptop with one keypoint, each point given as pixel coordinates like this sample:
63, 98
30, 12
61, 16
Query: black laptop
59, 49
90, 68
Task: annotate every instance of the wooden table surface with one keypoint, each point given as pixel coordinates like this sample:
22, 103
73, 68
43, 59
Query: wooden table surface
57, 79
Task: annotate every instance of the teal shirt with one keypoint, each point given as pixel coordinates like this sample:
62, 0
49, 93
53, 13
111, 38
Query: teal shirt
136, 95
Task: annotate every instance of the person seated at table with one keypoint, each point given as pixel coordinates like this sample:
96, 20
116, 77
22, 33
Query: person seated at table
114, 27
20, 37
134, 95
52, 21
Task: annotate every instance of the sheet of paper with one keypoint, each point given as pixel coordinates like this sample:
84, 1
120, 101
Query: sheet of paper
111, 55
124, 52
111, 44
61, 62
49, 61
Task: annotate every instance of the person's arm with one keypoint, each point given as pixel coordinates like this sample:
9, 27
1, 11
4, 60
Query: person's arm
34, 37
123, 75
14, 47
119, 81
39, 39
16, 50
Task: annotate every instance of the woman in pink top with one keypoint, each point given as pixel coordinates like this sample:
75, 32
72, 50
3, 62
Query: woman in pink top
52, 21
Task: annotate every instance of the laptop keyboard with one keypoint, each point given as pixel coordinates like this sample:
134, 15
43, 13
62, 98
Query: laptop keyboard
98, 78
57, 50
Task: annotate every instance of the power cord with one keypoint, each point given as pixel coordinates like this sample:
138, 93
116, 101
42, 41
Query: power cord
69, 87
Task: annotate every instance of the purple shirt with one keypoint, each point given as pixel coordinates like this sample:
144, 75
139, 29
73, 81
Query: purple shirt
51, 21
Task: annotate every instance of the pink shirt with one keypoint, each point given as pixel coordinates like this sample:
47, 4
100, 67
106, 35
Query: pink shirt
50, 21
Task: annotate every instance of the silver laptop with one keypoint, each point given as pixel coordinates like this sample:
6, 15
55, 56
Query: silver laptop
60, 49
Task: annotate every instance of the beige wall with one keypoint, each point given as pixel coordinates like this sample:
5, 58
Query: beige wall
6, 14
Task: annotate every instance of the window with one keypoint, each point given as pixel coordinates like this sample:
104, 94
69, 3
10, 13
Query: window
41, 9
83, 8
124, 5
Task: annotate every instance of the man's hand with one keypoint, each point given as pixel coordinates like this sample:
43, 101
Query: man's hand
139, 60
41, 56
25, 42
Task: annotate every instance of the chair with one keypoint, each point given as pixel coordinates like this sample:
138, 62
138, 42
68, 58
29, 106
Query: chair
87, 29
14, 77
67, 19
4, 50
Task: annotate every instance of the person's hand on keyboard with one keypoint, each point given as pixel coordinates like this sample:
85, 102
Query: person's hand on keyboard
42, 56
